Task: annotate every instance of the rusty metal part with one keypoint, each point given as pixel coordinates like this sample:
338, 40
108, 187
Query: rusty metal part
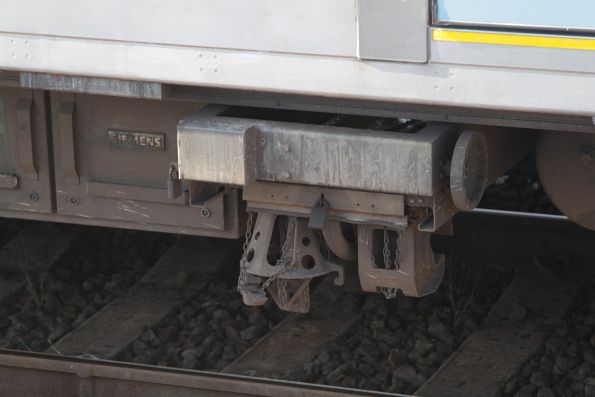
291, 295
306, 248
469, 170
418, 272
441, 210
286, 279
343, 205
32, 375
566, 167
334, 237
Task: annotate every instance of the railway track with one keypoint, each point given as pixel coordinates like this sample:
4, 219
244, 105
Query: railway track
43, 375
178, 310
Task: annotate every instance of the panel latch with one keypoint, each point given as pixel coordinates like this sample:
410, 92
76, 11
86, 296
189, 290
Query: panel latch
9, 181
319, 214
174, 183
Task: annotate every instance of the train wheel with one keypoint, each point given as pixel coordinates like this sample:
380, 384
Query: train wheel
566, 166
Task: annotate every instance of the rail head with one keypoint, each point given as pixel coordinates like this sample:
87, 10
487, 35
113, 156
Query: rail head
110, 378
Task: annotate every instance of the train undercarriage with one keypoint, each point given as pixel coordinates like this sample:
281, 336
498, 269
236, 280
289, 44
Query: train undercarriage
334, 137
313, 193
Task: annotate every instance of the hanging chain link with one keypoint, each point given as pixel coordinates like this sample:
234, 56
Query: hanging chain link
286, 262
386, 249
389, 293
397, 262
243, 261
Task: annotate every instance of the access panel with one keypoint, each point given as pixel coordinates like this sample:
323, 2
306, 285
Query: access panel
114, 158
24, 164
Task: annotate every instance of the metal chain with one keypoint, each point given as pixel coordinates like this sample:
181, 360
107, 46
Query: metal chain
286, 262
397, 262
389, 293
386, 249
243, 261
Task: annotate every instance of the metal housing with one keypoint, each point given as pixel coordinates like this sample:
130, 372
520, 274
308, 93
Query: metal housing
228, 150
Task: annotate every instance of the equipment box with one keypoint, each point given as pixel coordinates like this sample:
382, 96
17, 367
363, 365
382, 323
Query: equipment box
24, 164
114, 157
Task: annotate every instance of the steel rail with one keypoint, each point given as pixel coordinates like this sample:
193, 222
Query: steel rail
515, 238
486, 213
27, 374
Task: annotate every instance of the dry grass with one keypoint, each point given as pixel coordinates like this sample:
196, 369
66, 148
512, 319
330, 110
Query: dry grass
460, 287
24, 264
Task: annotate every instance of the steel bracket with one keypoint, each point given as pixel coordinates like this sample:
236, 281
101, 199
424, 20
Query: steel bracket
341, 205
289, 281
305, 247
319, 214
419, 270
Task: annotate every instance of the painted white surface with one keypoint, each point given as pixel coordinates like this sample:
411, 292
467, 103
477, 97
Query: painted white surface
428, 84
305, 26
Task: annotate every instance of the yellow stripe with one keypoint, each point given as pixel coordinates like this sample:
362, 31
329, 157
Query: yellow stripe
522, 40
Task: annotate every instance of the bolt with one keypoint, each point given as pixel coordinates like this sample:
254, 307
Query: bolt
286, 148
33, 196
286, 175
74, 200
587, 155
205, 212
263, 141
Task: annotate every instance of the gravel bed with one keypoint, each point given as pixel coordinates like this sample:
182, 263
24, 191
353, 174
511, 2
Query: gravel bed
399, 343
519, 190
8, 230
207, 332
59, 299
565, 363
